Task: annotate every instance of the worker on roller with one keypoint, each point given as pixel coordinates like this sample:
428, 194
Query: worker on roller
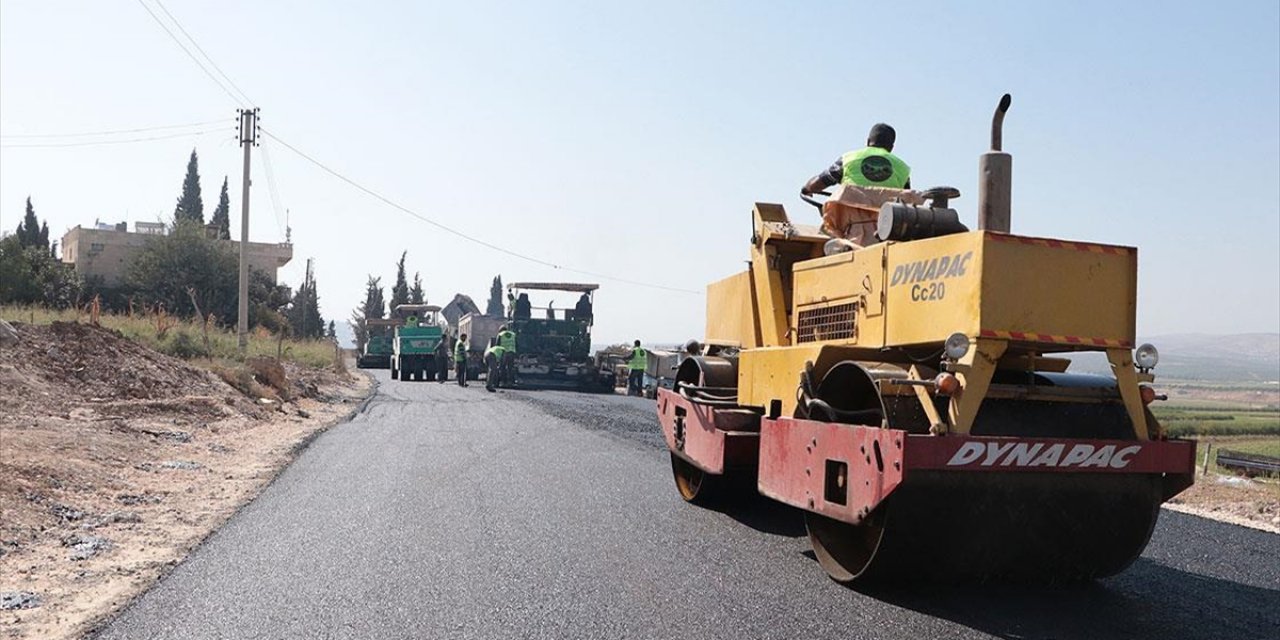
637, 362
871, 166
493, 365
507, 340
460, 360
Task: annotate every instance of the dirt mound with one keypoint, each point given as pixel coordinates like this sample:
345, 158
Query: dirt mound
66, 363
115, 459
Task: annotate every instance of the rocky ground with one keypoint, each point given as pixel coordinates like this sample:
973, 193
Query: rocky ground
116, 460
1249, 502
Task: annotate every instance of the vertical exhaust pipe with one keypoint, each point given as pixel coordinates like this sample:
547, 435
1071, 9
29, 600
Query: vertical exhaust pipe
995, 177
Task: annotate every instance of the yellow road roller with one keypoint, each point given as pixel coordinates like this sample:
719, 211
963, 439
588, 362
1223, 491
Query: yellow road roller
901, 379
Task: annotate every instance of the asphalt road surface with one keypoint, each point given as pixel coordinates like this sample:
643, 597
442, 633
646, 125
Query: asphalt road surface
442, 512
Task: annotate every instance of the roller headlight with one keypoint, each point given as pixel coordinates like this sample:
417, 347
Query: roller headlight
834, 246
956, 346
1146, 356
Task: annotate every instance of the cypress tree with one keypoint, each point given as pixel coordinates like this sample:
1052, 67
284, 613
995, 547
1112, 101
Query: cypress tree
494, 306
400, 292
190, 206
416, 295
28, 232
221, 219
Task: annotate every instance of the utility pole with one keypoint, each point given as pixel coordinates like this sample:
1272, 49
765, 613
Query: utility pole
248, 140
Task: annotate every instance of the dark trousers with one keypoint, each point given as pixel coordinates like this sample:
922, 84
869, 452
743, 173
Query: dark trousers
635, 382
460, 371
508, 369
493, 372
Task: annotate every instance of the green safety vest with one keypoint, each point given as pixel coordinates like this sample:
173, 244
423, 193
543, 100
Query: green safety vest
639, 359
874, 167
460, 351
507, 340
495, 350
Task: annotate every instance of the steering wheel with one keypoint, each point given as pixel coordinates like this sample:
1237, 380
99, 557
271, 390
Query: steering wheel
813, 202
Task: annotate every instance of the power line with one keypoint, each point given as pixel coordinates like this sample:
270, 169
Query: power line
461, 234
272, 189
91, 143
87, 134
188, 52
202, 52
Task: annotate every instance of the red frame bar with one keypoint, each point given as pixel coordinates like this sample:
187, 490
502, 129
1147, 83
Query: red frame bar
795, 454
714, 439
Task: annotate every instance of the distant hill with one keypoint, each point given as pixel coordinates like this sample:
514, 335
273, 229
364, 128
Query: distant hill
1242, 357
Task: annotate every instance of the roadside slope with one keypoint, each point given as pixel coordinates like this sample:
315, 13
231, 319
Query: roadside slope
116, 460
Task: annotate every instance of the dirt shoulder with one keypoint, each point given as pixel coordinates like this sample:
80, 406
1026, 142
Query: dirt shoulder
1238, 500
116, 461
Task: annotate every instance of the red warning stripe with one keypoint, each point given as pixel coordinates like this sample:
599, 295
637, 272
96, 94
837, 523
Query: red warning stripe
1063, 244
1026, 336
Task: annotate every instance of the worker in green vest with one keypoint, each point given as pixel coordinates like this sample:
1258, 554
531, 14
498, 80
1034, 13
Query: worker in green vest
871, 166
637, 362
493, 366
507, 340
460, 360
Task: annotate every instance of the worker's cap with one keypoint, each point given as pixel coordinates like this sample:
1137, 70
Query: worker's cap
882, 135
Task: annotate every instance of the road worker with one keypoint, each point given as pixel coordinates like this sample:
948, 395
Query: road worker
493, 365
460, 360
871, 166
507, 340
582, 310
637, 361
442, 360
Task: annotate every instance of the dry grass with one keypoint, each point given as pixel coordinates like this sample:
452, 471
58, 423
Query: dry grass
186, 339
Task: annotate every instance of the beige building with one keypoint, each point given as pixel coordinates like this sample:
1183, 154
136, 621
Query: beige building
106, 250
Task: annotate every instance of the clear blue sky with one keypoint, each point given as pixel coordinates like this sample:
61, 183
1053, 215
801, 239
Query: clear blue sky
632, 139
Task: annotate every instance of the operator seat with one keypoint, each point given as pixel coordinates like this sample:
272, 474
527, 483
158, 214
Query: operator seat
851, 213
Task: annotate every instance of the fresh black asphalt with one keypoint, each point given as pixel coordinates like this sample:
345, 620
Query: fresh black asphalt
442, 512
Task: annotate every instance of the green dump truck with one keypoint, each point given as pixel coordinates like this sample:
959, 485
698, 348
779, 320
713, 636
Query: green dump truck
553, 345
414, 342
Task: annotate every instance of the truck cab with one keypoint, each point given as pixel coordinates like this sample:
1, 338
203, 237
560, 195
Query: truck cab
416, 334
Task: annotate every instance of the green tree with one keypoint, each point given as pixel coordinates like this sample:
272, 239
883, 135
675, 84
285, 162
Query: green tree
267, 299
32, 275
373, 309
221, 219
190, 206
173, 269
31, 232
416, 296
494, 306
374, 305
400, 291
304, 311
